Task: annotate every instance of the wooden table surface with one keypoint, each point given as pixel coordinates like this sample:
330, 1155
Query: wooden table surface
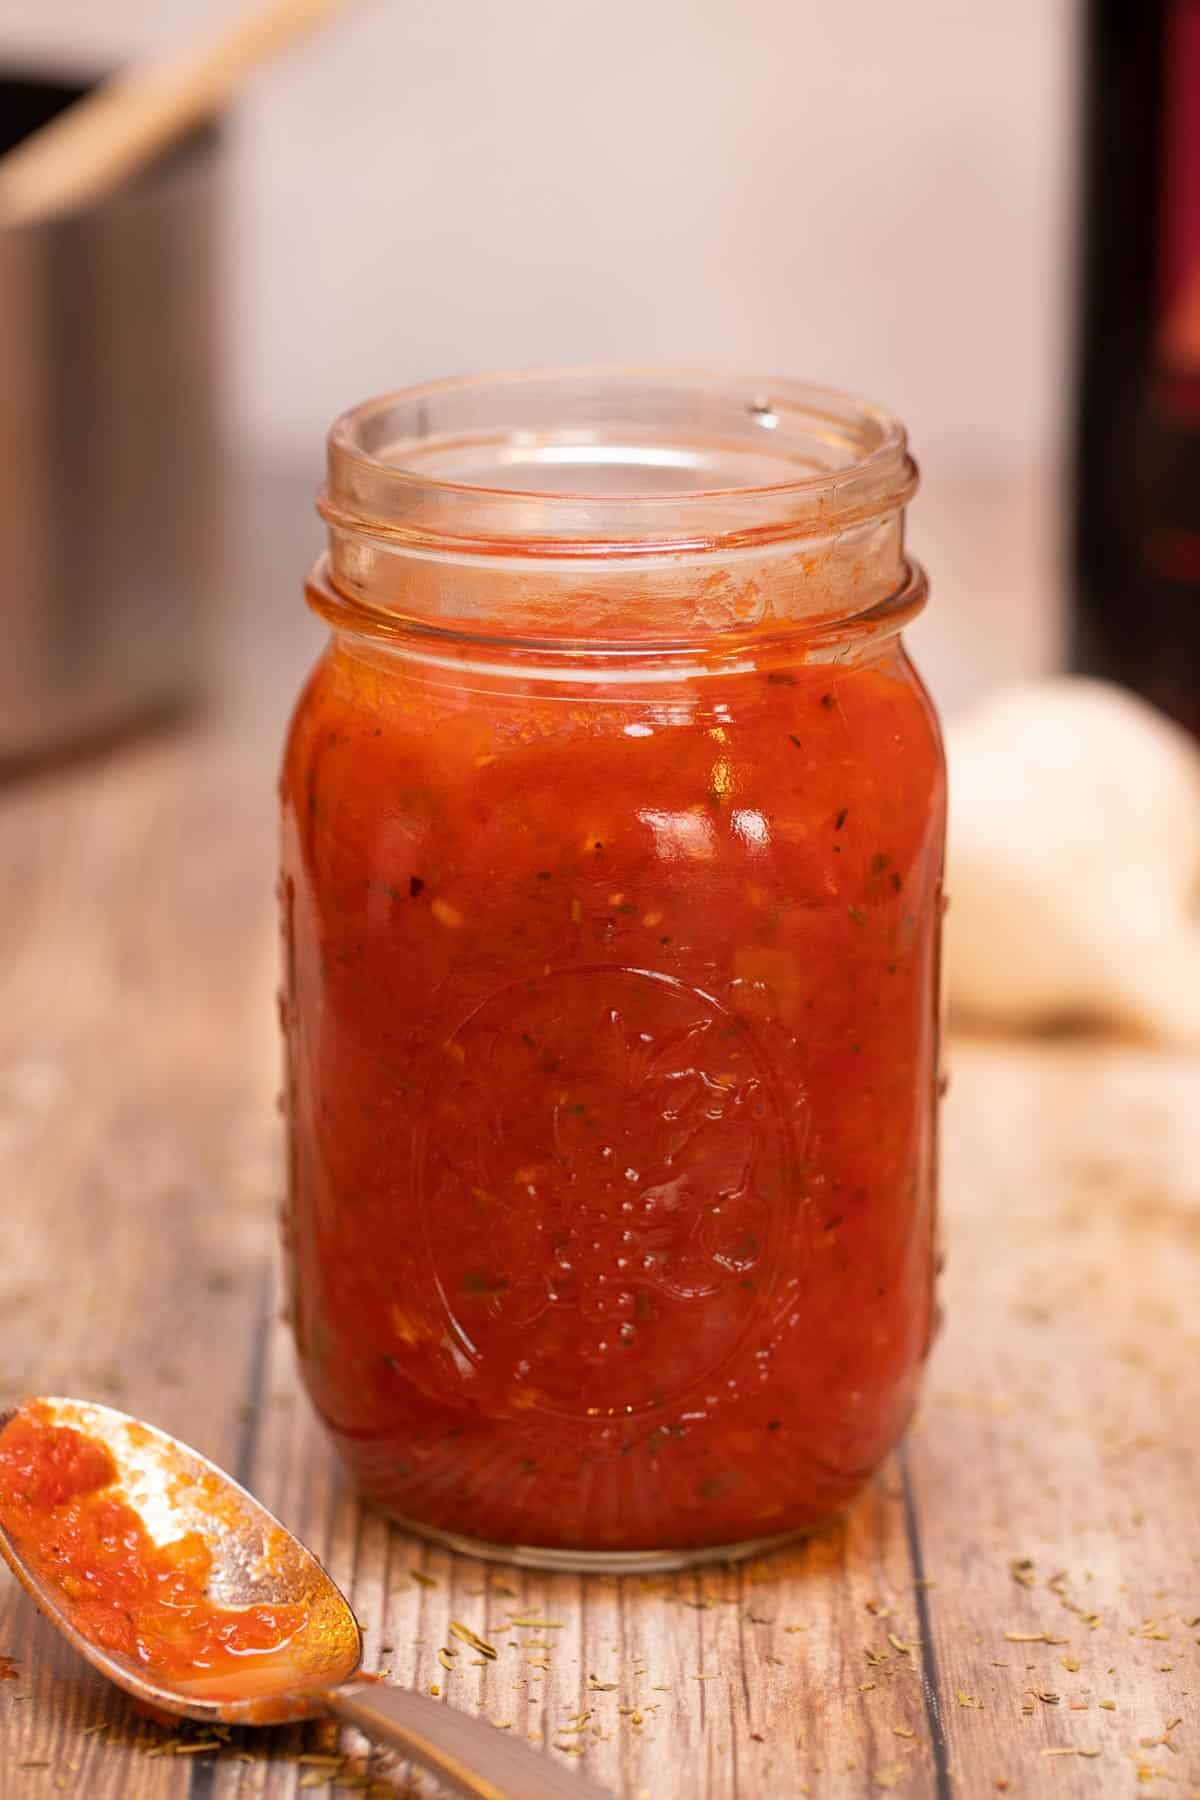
1013, 1607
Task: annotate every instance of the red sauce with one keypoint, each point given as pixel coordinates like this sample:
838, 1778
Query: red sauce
612, 1042
139, 1600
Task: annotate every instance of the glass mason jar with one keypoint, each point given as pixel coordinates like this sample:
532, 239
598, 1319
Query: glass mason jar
612, 850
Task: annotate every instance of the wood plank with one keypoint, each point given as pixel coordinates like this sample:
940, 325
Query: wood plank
1056, 1462
137, 1153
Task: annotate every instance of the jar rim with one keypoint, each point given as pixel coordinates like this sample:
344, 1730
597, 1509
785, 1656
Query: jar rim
540, 462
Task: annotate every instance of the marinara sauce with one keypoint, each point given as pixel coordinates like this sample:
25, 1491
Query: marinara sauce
611, 896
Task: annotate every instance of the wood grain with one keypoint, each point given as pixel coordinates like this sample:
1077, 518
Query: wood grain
1049, 1486
1056, 1466
137, 1150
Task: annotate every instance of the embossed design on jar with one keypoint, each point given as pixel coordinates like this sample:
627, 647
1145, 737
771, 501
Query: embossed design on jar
601, 1166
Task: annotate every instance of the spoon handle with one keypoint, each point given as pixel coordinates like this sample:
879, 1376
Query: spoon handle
467, 1753
86, 150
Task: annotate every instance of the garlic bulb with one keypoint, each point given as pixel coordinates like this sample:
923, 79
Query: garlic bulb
1074, 862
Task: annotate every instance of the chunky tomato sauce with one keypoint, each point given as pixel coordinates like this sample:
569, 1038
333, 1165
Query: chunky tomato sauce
611, 1028
123, 1592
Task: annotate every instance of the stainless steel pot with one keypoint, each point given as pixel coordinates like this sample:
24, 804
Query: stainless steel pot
109, 453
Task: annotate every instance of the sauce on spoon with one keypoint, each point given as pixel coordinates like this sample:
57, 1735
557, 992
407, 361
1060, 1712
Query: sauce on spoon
63, 1507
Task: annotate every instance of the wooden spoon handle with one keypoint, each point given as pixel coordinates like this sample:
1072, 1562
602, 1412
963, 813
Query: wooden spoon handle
467, 1753
88, 149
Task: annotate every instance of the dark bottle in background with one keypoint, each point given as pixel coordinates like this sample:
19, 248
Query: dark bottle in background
1136, 527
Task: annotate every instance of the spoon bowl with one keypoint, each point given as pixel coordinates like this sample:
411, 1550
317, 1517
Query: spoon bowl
255, 1562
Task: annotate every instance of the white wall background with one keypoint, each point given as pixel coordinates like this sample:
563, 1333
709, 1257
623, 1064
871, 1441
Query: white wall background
866, 192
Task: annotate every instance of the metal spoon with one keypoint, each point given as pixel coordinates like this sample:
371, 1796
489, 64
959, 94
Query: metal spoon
257, 1562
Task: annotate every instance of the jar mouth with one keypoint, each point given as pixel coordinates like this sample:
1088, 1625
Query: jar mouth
612, 461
